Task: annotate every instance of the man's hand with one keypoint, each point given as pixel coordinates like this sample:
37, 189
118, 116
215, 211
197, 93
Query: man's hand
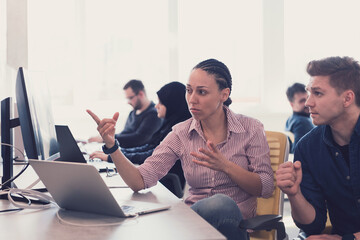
99, 154
288, 177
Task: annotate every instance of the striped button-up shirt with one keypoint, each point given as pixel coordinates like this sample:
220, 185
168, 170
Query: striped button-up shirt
245, 145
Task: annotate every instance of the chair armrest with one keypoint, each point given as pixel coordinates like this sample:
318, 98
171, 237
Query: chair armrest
261, 222
266, 222
174, 180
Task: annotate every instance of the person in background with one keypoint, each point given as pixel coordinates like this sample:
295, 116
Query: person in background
326, 173
225, 156
299, 123
142, 121
173, 109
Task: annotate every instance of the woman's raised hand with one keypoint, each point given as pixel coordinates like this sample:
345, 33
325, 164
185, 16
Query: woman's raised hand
106, 127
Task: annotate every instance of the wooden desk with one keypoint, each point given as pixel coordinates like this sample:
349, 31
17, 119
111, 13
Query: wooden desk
179, 222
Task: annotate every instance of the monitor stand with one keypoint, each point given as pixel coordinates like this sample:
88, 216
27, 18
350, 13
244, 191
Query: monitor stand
7, 152
7, 124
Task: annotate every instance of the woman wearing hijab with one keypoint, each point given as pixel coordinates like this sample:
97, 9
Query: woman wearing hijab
173, 108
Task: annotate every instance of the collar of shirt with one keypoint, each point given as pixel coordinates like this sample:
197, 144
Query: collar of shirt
234, 125
357, 128
328, 138
304, 114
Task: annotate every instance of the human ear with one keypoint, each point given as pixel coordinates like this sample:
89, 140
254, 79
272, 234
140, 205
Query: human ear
349, 98
141, 93
225, 93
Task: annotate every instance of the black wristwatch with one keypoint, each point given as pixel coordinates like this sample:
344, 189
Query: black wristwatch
112, 149
349, 236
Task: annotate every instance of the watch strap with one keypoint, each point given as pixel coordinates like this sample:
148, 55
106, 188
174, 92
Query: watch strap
112, 149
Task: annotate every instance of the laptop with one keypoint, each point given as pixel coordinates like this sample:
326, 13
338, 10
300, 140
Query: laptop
70, 151
79, 187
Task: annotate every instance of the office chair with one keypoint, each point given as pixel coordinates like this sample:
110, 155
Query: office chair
175, 180
171, 181
267, 223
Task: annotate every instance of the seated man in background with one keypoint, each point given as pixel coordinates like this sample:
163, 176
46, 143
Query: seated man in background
142, 122
299, 123
326, 173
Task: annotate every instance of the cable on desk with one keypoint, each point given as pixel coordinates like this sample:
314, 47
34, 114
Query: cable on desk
24, 198
29, 196
18, 196
33, 196
5, 192
18, 149
11, 210
23, 161
15, 177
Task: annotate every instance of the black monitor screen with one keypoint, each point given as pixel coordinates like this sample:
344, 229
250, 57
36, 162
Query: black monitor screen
36, 119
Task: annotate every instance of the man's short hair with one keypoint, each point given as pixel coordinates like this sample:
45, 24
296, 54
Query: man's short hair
343, 72
135, 85
295, 88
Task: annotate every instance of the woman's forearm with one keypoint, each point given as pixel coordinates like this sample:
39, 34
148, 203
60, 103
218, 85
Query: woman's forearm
128, 171
248, 181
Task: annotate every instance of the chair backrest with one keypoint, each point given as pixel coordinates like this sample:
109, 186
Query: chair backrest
279, 152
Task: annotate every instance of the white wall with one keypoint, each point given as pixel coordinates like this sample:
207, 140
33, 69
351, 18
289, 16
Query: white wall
13, 43
281, 32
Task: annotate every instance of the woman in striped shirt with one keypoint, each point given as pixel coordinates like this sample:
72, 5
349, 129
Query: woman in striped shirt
225, 156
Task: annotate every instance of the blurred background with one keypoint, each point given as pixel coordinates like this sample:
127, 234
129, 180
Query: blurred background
86, 50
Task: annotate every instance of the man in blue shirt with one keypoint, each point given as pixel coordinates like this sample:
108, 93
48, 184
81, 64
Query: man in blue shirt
299, 123
326, 173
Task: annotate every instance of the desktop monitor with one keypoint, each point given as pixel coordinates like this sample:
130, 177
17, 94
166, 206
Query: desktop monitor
36, 119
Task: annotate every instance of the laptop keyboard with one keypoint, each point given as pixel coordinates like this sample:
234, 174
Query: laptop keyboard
127, 209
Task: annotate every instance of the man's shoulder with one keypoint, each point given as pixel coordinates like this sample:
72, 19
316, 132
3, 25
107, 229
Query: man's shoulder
299, 118
310, 148
291, 120
150, 109
299, 121
314, 136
